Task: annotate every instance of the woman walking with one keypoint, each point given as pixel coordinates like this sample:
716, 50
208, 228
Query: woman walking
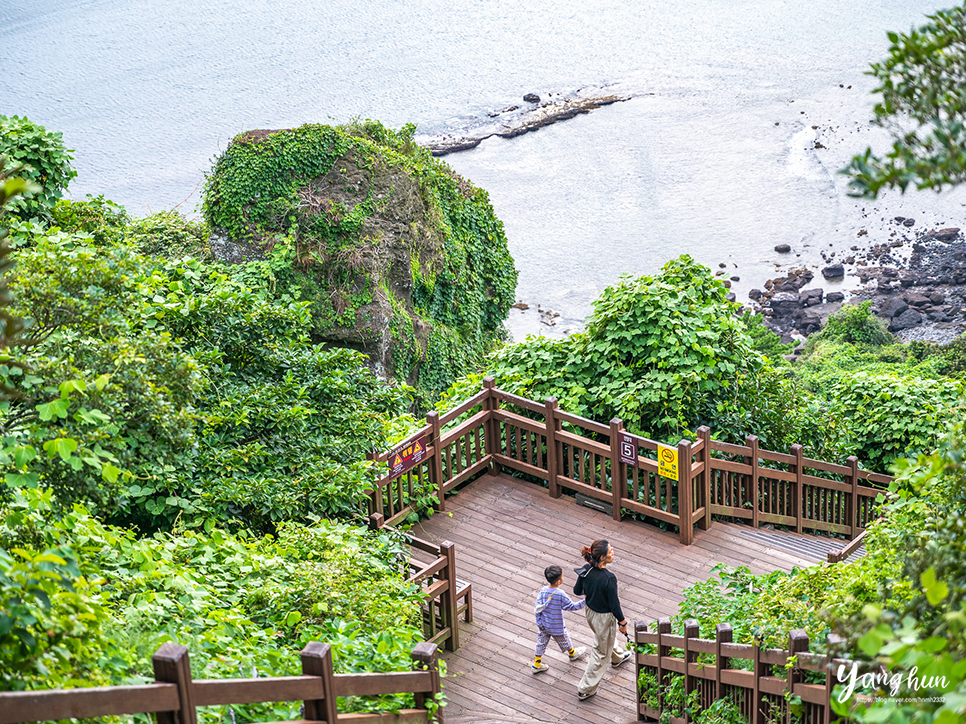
603, 612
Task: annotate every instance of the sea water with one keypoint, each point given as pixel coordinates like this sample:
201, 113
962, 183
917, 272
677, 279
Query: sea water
714, 154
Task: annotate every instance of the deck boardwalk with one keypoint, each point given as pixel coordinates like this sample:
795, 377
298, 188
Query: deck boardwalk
506, 532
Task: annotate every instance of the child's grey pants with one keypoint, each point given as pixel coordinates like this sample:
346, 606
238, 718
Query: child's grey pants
543, 639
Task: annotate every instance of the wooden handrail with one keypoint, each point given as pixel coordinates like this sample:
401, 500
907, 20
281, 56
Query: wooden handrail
759, 491
770, 674
176, 700
852, 547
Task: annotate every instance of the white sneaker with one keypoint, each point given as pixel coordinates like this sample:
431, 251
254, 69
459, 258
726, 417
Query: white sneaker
624, 657
539, 669
579, 653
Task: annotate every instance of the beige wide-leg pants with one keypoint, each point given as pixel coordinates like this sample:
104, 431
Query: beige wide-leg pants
604, 626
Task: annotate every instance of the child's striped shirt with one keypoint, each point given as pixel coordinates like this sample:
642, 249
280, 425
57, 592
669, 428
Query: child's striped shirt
551, 603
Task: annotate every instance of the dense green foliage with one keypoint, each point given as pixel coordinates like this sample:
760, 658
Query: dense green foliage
889, 399
84, 603
377, 237
923, 108
667, 354
901, 606
167, 433
41, 160
209, 394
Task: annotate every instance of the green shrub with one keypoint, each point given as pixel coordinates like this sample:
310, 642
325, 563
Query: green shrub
894, 415
211, 395
89, 603
169, 234
44, 161
103, 219
855, 324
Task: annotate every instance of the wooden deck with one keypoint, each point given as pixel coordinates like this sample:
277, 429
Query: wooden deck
507, 531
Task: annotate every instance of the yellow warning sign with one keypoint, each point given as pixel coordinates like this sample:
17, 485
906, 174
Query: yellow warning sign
667, 461
397, 461
417, 448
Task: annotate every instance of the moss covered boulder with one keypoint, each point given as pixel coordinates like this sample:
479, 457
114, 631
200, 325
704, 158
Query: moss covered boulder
396, 254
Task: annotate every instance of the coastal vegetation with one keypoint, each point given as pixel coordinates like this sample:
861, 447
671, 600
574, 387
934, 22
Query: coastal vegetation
922, 107
394, 254
187, 407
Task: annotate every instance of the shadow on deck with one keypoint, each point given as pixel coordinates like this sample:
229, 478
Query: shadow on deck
507, 531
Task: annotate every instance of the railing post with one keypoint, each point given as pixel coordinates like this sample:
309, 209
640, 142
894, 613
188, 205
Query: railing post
171, 666
640, 627
691, 631
553, 455
752, 442
853, 507
450, 601
618, 471
375, 502
704, 434
436, 463
833, 643
797, 643
424, 656
758, 669
722, 635
799, 496
663, 628
317, 661
685, 493
376, 521
492, 424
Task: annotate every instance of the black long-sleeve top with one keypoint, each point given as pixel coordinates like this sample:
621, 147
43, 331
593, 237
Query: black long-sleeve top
600, 587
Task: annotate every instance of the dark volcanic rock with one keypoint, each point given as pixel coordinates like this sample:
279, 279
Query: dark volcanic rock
783, 248
785, 304
937, 298
833, 271
909, 318
811, 297
754, 294
834, 297
531, 98
950, 234
917, 300
892, 307
909, 222
810, 323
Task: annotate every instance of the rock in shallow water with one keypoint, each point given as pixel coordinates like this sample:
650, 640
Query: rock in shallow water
833, 271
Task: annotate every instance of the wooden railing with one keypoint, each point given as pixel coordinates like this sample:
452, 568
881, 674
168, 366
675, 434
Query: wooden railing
571, 453
174, 697
708, 667
442, 591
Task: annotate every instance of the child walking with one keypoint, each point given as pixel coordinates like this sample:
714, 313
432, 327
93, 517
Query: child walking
551, 603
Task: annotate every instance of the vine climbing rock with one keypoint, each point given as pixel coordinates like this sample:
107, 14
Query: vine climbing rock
395, 254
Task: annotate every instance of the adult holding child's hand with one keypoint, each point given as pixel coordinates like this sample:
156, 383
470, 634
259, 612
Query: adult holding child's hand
604, 615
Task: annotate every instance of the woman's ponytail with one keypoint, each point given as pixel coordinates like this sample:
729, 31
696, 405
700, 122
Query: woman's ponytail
595, 552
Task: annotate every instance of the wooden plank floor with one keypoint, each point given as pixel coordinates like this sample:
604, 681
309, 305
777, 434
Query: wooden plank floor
506, 532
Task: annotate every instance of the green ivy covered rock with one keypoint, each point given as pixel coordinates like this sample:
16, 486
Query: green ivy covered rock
397, 255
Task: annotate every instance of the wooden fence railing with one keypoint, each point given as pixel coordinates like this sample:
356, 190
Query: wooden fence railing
573, 453
707, 667
174, 697
442, 591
